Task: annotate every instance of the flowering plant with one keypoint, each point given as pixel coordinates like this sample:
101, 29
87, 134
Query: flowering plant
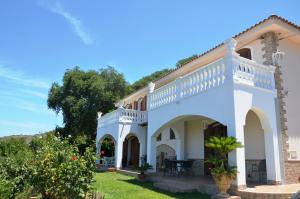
59, 171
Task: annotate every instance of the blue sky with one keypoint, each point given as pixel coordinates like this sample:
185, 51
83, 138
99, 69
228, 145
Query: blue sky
40, 39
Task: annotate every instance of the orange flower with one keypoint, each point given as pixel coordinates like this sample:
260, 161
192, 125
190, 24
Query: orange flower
74, 157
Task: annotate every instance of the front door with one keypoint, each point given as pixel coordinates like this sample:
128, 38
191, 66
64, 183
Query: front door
215, 129
135, 152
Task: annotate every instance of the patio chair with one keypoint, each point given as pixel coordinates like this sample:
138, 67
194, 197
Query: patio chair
170, 167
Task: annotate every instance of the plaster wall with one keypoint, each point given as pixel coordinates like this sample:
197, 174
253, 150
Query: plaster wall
254, 138
291, 82
194, 140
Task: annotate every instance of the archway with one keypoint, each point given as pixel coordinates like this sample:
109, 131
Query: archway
164, 151
255, 155
131, 151
182, 139
106, 151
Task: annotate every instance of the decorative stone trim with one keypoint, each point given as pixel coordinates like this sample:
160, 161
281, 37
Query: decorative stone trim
270, 45
292, 171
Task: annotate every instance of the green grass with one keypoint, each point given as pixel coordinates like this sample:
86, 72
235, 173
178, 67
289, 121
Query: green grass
118, 186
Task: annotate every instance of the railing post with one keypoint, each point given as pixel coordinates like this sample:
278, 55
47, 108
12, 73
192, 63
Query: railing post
151, 87
229, 60
119, 111
178, 89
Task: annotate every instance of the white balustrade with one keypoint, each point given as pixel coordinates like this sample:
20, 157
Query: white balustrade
123, 115
206, 77
214, 75
249, 72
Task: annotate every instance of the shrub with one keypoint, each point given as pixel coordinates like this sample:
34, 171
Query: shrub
15, 157
59, 171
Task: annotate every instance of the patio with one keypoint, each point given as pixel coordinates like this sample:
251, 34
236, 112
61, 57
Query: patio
205, 185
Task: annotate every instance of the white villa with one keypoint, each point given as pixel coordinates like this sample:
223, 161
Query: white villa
247, 87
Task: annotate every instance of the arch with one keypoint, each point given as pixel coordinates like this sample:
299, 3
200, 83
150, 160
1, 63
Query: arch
106, 136
131, 151
131, 134
245, 52
164, 151
178, 118
172, 134
255, 149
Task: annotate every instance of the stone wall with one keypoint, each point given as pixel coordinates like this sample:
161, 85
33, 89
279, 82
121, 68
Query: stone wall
292, 171
198, 167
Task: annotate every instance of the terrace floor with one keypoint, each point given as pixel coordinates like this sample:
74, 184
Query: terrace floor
205, 184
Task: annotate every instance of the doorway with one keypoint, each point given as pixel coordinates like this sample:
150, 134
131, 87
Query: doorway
215, 129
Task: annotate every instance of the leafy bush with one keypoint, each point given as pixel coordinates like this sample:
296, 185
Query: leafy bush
59, 171
15, 157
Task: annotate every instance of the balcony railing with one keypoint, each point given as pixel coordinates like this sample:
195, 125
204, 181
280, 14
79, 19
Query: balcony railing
123, 115
232, 66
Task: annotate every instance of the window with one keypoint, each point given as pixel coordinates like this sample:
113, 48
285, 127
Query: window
172, 134
158, 138
245, 52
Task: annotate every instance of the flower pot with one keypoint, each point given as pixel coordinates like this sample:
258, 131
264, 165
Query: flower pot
223, 183
111, 169
142, 177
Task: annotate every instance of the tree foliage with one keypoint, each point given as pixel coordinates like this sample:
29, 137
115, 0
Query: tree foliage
183, 61
82, 94
147, 79
15, 156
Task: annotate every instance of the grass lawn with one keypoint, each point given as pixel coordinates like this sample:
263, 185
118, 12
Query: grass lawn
118, 186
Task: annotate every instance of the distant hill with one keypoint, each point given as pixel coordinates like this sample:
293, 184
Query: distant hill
27, 138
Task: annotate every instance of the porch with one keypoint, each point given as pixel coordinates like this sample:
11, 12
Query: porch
232, 96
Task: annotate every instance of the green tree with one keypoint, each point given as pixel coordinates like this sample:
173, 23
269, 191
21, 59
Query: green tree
147, 79
183, 61
82, 94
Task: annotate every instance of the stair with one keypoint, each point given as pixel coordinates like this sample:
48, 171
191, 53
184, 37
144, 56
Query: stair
252, 195
175, 187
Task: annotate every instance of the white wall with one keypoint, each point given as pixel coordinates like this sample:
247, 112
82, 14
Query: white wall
256, 50
291, 83
254, 138
175, 144
194, 140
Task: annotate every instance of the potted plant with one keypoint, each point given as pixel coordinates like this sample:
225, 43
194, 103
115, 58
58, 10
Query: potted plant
222, 173
143, 169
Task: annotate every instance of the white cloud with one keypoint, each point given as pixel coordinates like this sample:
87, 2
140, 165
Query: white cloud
76, 24
20, 78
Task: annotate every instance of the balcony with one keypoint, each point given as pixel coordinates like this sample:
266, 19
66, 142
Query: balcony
231, 68
122, 115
